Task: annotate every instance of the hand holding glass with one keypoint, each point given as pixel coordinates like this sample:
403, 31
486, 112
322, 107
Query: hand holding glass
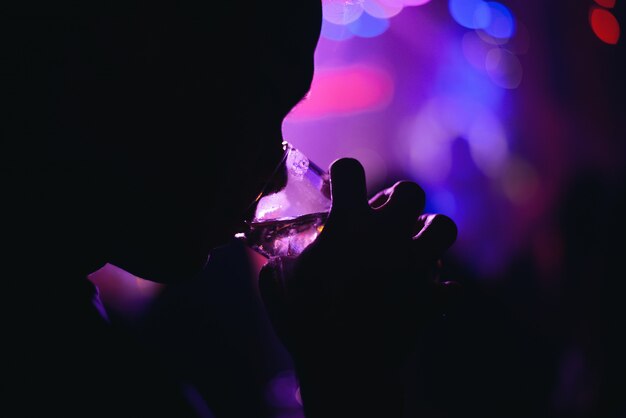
286, 221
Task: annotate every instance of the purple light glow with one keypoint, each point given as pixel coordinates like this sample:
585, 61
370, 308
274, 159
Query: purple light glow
446, 119
443, 201
488, 144
392, 3
475, 50
415, 2
449, 88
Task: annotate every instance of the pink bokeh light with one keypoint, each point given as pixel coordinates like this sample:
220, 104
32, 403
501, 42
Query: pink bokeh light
344, 91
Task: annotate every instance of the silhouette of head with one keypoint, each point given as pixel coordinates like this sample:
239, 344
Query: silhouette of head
140, 133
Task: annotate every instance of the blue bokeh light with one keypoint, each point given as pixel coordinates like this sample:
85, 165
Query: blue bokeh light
368, 26
335, 32
502, 23
472, 14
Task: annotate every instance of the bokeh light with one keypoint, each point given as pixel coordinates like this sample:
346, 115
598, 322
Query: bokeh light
447, 119
382, 10
472, 14
368, 26
475, 49
501, 23
490, 39
453, 94
342, 12
504, 68
604, 25
393, 3
344, 91
343, 19
335, 32
487, 141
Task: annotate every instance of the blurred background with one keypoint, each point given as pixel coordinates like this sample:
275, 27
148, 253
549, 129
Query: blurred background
510, 115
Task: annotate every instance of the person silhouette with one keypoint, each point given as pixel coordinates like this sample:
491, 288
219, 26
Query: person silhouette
137, 134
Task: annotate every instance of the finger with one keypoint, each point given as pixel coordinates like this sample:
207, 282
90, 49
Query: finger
405, 202
380, 198
438, 234
347, 184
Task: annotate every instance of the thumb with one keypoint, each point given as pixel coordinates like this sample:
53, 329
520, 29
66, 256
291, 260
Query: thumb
347, 184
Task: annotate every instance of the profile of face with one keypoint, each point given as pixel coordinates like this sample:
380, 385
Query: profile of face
201, 133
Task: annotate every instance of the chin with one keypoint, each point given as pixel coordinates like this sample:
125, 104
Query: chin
164, 264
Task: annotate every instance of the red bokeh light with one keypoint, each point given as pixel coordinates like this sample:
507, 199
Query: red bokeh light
604, 25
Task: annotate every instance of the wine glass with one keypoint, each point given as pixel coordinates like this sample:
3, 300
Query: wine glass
285, 220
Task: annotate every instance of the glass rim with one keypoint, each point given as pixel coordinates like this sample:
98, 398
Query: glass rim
287, 146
